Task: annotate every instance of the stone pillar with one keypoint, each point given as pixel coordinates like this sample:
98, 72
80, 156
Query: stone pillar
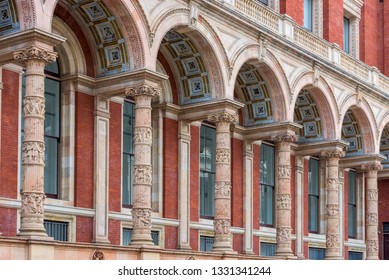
33, 148
372, 211
141, 211
333, 234
222, 219
283, 194
300, 211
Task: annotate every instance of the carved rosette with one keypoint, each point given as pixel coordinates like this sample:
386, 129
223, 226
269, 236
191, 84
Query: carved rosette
32, 203
332, 211
222, 189
143, 90
143, 135
142, 174
287, 137
283, 201
372, 194
34, 106
371, 219
98, 255
222, 226
333, 184
332, 241
283, 235
141, 217
284, 171
35, 53
222, 155
224, 117
33, 153
372, 247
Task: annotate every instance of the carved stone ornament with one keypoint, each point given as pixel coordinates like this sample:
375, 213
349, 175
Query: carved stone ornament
284, 171
143, 89
332, 211
32, 203
224, 117
98, 255
332, 241
193, 14
283, 201
372, 219
222, 156
332, 154
33, 153
333, 184
372, 167
372, 247
372, 194
287, 137
283, 235
34, 106
222, 226
142, 174
222, 189
35, 53
141, 217
143, 135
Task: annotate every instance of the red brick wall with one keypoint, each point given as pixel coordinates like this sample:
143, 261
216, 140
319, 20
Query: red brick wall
171, 237
383, 213
84, 151
8, 221
294, 9
237, 182
84, 229
194, 239
115, 164
194, 173
73, 25
9, 135
386, 37
345, 201
170, 169
238, 243
114, 232
333, 21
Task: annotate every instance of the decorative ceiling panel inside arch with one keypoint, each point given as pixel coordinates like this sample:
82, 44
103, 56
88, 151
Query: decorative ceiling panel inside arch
384, 146
256, 96
351, 133
8, 18
307, 115
110, 42
194, 79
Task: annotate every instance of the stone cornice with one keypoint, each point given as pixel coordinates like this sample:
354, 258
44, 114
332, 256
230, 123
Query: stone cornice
358, 162
316, 148
267, 132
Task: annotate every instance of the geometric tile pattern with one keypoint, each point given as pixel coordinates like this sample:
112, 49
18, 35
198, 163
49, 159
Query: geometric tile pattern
194, 79
384, 146
351, 133
256, 96
111, 45
8, 17
307, 115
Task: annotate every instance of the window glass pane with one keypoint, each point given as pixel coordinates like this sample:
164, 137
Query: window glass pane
352, 190
53, 67
52, 112
267, 198
57, 230
207, 183
206, 243
355, 255
346, 34
128, 180
51, 170
308, 14
316, 253
352, 221
128, 152
267, 165
268, 249
207, 170
313, 177
313, 214
128, 127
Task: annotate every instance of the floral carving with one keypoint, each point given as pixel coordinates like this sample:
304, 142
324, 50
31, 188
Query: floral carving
372, 219
98, 255
283, 201
287, 137
222, 156
33, 153
372, 194
143, 89
372, 247
283, 235
142, 135
332, 210
333, 184
35, 53
332, 154
284, 171
372, 167
141, 217
224, 117
142, 174
34, 106
222, 189
32, 203
332, 241
222, 226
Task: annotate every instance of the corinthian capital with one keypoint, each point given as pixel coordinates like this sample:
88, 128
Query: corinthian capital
287, 137
143, 90
36, 53
332, 154
223, 117
372, 167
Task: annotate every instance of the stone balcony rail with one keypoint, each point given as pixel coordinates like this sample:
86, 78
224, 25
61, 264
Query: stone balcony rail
284, 26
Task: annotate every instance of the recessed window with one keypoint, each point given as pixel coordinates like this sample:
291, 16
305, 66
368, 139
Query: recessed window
346, 35
308, 19
268, 249
313, 195
352, 204
206, 243
128, 153
127, 236
355, 255
57, 230
385, 231
265, 2
316, 253
267, 181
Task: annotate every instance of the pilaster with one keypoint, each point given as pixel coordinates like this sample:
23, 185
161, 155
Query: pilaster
248, 159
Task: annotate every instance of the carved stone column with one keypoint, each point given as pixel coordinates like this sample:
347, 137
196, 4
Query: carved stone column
372, 211
222, 219
33, 148
141, 211
333, 237
283, 194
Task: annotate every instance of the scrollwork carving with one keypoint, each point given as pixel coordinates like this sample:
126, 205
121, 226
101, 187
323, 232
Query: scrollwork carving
372, 247
224, 117
284, 171
98, 255
143, 135
372, 194
34, 106
33, 153
222, 156
332, 241
283, 235
32, 203
372, 219
142, 174
143, 89
141, 217
283, 201
36, 53
222, 226
332, 210
222, 189
333, 184
287, 137
332, 154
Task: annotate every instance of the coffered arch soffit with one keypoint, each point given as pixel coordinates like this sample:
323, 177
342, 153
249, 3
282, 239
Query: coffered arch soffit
384, 144
9, 20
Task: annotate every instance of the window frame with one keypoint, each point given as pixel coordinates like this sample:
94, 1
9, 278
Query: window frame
352, 205
320, 250
267, 186
314, 195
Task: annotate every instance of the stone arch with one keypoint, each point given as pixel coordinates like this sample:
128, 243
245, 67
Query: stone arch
383, 138
271, 71
167, 94
323, 98
205, 39
27, 13
364, 117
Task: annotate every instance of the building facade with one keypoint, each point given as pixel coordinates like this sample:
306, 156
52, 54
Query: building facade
188, 129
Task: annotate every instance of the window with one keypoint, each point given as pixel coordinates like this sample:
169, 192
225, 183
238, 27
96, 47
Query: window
352, 204
268, 249
355, 255
385, 230
316, 253
57, 230
51, 127
206, 243
127, 235
267, 181
346, 35
265, 2
308, 22
128, 153
313, 195
207, 170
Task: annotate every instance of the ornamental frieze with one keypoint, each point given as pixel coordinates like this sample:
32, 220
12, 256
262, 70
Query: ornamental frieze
224, 117
144, 89
36, 53
143, 135
222, 189
32, 203
372, 194
34, 106
284, 235
372, 167
33, 153
222, 226
222, 156
332, 154
142, 174
287, 137
141, 217
284, 171
283, 201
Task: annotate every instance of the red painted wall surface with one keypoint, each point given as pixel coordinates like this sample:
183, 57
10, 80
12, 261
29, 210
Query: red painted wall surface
294, 9
171, 237
84, 229
237, 182
333, 21
8, 221
114, 232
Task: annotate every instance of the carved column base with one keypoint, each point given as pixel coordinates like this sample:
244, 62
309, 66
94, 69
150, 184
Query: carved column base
223, 243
